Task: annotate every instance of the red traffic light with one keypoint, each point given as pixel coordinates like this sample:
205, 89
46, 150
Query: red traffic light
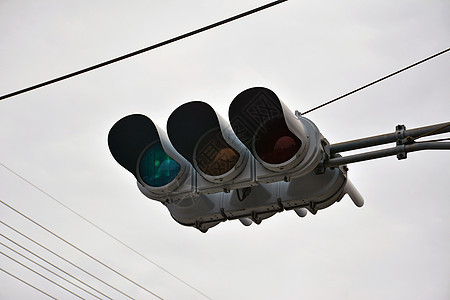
275, 143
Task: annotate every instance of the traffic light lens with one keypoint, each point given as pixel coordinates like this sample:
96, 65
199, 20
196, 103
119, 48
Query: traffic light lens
156, 168
214, 156
275, 143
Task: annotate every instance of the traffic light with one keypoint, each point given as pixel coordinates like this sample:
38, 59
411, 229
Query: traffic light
206, 171
285, 144
204, 138
142, 148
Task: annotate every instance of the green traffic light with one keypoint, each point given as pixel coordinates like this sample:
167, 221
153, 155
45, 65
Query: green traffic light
156, 168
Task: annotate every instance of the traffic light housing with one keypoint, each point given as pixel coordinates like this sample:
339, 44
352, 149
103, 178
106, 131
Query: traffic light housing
143, 149
206, 170
204, 139
285, 144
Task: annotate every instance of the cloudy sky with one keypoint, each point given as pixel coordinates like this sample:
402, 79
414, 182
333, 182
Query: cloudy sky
308, 52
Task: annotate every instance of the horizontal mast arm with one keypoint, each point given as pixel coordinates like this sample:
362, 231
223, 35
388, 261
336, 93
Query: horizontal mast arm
339, 161
389, 138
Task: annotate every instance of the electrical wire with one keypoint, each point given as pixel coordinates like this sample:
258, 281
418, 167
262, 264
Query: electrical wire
114, 60
67, 261
107, 233
76, 248
36, 272
377, 81
430, 132
48, 270
53, 265
436, 140
27, 283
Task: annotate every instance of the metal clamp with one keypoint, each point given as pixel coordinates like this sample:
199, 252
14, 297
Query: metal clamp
320, 169
400, 134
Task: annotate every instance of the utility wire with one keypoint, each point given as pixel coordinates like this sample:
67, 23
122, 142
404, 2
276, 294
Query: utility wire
436, 140
48, 270
53, 265
36, 272
107, 233
75, 247
27, 283
378, 80
431, 132
180, 37
67, 261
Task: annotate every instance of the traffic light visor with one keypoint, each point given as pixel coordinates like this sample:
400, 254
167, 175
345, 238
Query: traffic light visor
202, 137
156, 168
261, 121
144, 150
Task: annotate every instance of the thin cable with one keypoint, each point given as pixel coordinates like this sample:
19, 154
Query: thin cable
431, 132
53, 265
30, 285
75, 247
67, 261
36, 272
436, 140
48, 270
376, 81
142, 50
107, 233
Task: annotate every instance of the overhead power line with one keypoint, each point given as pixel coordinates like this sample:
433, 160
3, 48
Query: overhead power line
36, 272
53, 265
78, 249
114, 60
48, 270
30, 285
377, 81
66, 260
106, 232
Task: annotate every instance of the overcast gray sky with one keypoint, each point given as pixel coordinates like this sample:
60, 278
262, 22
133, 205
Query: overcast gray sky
308, 52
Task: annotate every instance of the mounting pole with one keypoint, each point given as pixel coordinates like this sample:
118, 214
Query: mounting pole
405, 142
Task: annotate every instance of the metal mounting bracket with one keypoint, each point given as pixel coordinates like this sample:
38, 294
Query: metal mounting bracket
400, 142
320, 169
